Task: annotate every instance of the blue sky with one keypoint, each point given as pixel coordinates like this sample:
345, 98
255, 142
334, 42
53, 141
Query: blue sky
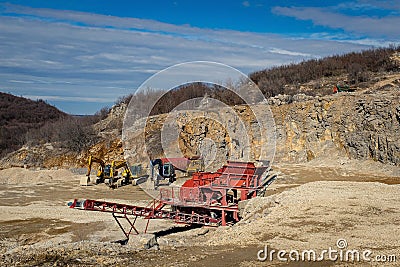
82, 55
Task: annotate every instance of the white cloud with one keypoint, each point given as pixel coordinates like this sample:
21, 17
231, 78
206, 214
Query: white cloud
43, 52
290, 53
378, 27
393, 5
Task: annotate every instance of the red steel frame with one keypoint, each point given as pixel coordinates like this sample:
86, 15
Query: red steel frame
207, 198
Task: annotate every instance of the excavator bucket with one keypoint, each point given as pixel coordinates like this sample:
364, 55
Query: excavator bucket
85, 181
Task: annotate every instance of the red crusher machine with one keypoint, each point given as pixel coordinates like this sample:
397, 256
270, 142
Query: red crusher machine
208, 198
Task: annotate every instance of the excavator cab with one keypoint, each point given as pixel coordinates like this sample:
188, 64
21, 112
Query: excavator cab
166, 171
107, 170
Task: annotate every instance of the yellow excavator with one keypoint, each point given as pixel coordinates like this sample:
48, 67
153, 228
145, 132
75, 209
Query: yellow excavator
100, 171
108, 173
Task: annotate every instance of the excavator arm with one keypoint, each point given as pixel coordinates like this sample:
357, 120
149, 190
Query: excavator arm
117, 164
113, 181
97, 160
100, 173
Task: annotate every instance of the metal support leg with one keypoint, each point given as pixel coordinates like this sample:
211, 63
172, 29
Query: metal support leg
130, 223
235, 216
223, 218
147, 225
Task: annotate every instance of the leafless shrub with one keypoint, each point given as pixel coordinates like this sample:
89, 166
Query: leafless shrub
102, 113
72, 133
174, 97
357, 66
18, 115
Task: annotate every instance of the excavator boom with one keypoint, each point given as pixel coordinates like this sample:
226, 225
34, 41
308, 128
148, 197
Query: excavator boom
108, 173
90, 162
100, 173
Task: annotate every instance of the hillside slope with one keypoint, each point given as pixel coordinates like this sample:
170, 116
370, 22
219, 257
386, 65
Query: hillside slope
18, 115
316, 77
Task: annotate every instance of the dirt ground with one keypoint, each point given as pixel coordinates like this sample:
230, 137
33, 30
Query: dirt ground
310, 206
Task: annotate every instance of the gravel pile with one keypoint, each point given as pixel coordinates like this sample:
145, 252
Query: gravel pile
317, 214
15, 176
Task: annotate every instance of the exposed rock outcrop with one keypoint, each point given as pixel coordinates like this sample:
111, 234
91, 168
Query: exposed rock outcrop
352, 125
358, 126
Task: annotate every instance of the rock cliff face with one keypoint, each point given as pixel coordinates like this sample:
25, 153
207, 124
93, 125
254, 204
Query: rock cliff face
359, 125
230, 133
